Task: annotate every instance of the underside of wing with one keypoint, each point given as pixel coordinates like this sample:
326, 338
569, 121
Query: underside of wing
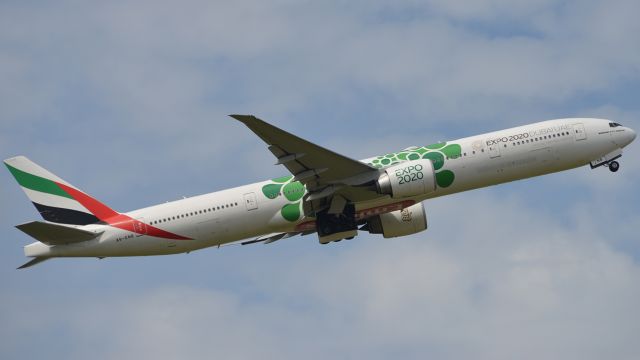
271, 238
32, 262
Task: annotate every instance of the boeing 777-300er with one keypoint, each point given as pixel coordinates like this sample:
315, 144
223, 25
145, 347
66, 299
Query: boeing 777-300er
326, 193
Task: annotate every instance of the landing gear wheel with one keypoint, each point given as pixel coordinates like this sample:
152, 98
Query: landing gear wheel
614, 166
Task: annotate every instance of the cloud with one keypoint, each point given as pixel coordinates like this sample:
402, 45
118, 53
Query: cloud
128, 101
190, 64
533, 288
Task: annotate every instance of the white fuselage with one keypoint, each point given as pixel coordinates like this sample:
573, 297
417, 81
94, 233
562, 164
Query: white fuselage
245, 212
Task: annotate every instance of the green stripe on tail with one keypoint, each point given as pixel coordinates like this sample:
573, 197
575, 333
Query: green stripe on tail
37, 183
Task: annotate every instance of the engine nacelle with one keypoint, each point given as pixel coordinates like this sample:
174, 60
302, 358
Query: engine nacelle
408, 179
403, 222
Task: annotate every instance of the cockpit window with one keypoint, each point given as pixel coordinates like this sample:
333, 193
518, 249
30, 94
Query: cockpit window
612, 124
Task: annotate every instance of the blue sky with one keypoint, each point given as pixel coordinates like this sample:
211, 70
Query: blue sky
128, 101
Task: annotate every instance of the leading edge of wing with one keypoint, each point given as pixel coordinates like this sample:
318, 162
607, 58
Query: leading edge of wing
301, 156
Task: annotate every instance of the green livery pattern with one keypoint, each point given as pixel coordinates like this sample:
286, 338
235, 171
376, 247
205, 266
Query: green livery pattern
37, 183
294, 191
438, 154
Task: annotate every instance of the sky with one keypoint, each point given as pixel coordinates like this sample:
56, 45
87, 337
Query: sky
128, 100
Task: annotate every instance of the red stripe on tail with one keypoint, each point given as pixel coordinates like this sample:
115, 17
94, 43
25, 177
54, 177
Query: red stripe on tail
115, 219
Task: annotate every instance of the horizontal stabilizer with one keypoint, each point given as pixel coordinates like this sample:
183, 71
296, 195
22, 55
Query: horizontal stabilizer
33, 261
56, 234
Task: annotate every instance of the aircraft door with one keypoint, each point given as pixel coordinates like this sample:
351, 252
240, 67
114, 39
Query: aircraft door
250, 201
494, 151
579, 132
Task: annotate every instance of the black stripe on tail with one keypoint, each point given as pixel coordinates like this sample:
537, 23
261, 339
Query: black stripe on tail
65, 216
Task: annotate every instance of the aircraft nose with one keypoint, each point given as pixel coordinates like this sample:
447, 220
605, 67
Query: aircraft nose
624, 136
630, 136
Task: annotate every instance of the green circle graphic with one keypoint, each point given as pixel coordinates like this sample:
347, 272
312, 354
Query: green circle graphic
291, 212
293, 191
445, 178
271, 191
436, 157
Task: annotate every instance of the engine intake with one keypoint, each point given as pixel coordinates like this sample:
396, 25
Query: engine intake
408, 179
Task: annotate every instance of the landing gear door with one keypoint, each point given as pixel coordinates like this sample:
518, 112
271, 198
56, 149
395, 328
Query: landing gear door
250, 201
578, 131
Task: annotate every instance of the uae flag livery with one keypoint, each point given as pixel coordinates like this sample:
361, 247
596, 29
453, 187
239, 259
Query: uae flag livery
60, 202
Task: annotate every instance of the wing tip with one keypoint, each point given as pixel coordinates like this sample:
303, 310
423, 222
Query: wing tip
32, 262
242, 118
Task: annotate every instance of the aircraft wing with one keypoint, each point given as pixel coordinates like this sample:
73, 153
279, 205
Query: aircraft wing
309, 162
324, 172
34, 261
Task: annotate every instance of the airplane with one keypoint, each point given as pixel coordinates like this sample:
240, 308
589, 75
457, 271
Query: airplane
326, 193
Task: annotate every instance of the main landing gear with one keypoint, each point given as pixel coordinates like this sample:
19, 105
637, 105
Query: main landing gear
614, 166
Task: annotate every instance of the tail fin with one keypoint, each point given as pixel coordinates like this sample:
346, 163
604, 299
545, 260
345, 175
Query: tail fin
56, 200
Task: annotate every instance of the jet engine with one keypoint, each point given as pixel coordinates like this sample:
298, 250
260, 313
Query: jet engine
403, 222
408, 179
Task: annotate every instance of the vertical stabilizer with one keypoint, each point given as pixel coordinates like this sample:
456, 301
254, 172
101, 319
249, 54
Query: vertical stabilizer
56, 200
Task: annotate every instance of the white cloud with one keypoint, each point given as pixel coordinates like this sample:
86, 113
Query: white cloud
140, 91
514, 283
